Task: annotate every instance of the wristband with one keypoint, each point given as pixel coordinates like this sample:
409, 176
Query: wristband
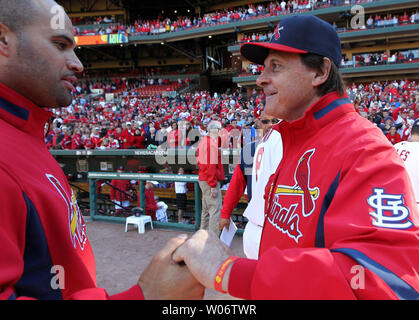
220, 274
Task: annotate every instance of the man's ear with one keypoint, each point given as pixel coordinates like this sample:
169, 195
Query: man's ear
4, 40
322, 74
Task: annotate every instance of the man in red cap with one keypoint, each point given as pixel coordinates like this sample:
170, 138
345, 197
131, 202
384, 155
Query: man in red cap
340, 215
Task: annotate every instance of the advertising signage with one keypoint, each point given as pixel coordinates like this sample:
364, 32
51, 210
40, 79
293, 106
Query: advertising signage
106, 39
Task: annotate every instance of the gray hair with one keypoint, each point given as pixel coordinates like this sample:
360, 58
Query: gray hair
214, 125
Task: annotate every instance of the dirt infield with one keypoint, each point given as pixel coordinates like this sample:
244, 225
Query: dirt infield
122, 256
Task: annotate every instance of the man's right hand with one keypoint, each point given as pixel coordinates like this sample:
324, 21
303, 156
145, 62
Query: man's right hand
224, 223
164, 279
203, 254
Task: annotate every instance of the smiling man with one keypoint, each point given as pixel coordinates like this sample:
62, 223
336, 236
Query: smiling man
44, 250
340, 218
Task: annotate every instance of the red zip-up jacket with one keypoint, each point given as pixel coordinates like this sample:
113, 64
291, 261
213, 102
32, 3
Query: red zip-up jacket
115, 194
42, 230
341, 220
150, 203
208, 159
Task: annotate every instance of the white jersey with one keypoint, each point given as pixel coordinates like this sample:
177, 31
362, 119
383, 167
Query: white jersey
409, 152
268, 155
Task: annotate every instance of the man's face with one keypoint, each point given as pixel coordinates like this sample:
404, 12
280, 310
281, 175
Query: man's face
287, 85
266, 122
43, 65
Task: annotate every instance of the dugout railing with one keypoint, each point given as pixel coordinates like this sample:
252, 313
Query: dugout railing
142, 178
93, 177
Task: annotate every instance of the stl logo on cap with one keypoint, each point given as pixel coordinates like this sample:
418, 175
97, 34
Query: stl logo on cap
277, 34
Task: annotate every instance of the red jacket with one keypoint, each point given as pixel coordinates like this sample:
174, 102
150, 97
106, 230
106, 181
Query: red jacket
341, 220
41, 223
117, 195
150, 203
394, 139
76, 142
138, 142
66, 142
174, 137
208, 159
127, 138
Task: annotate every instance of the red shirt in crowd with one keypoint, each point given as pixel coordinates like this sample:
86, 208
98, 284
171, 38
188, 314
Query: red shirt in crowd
138, 141
394, 139
76, 142
127, 138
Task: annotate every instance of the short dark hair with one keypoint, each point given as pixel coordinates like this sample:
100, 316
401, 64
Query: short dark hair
16, 14
333, 83
415, 129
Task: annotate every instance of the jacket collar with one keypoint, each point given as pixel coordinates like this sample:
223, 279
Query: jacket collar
323, 111
22, 113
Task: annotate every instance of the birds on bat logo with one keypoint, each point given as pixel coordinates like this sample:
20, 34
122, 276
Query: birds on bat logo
286, 219
277, 33
76, 224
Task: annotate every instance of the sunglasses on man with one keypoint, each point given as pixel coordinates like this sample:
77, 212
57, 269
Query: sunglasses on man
266, 121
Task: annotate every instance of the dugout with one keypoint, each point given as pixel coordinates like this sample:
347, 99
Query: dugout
93, 177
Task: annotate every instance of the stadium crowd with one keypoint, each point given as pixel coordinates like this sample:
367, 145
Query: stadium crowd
148, 122
359, 60
140, 26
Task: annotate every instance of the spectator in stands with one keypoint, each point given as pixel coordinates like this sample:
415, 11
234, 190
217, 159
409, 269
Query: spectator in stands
386, 125
393, 136
113, 143
192, 135
121, 193
370, 22
235, 133
56, 138
76, 140
139, 139
65, 143
174, 137
161, 136
95, 138
402, 122
104, 144
211, 173
150, 139
127, 136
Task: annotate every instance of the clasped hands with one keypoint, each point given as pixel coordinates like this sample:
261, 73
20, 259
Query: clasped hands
185, 267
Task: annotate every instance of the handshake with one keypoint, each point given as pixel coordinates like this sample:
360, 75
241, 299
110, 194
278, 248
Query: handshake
185, 267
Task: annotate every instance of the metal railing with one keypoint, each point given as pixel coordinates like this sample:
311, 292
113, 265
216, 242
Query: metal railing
142, 177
